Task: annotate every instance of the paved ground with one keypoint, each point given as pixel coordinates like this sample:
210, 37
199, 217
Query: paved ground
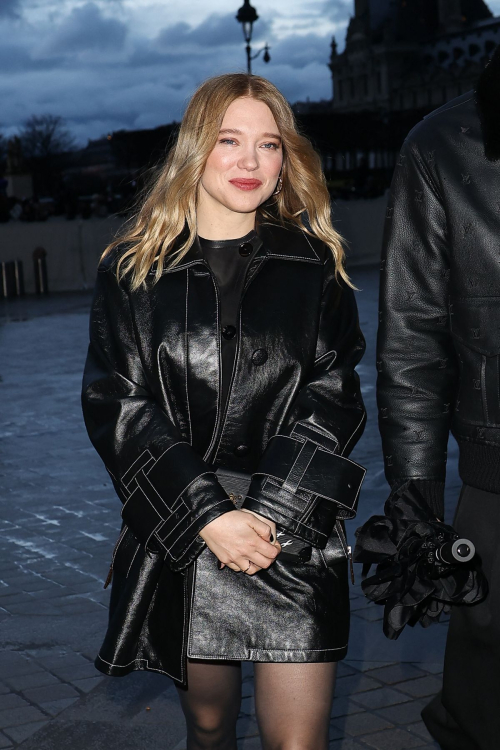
58, 521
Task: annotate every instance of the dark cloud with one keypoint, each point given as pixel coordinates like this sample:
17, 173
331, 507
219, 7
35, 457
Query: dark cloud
14, 58
138, 97
313, 81
10, 8
102, 75
299, 51
85, 28
338, 11
215, 31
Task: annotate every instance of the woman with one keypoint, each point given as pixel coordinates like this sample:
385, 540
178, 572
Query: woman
224, 335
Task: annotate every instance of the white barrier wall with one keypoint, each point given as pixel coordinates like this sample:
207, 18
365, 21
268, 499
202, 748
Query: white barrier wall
74, 247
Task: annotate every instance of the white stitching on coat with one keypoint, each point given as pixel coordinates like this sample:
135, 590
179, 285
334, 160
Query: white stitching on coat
139, 489
268, 651
179, 442
150, 483
326, 354
231, 382
136, 661
186, 347
125, 481
205, 510
205, 473
309, 243
327, 435
133, 558
279, 480
219, 383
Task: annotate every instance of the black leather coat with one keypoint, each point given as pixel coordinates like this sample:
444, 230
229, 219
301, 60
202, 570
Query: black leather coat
439, 336
151, 401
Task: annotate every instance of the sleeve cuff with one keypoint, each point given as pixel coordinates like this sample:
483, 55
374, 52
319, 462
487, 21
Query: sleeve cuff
432, 491
305, 488
170, 500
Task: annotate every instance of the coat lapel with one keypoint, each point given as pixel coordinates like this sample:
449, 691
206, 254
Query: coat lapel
286, 243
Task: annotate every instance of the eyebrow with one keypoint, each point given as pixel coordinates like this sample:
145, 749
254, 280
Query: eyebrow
235, 131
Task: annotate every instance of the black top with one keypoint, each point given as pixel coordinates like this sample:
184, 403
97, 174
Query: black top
229, 261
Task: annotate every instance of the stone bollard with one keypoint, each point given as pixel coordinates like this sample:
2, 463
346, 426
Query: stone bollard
40, 268
11, 278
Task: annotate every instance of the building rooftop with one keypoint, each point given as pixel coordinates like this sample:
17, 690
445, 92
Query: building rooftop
415, 20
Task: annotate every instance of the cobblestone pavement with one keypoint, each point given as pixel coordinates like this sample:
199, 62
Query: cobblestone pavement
59, 518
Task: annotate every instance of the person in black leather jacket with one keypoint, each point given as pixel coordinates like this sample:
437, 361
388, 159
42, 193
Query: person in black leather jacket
439, 370
224, 335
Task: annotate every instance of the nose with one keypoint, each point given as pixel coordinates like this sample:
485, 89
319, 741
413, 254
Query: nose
248, 160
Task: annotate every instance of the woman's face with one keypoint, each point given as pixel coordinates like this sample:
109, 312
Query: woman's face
244, 166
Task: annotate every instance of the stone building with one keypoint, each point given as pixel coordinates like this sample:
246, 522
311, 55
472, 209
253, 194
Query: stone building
411, 54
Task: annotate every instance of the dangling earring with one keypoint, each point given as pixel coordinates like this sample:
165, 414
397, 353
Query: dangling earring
279, 186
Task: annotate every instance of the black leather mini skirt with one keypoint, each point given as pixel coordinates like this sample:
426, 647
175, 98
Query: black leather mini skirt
292, 612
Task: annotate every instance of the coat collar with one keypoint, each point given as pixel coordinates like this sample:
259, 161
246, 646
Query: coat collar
276, 241
287, 242
487, 96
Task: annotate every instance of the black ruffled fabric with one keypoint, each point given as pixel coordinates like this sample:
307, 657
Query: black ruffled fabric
411, 583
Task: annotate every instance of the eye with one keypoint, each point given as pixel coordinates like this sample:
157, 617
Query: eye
271, 146
229, 141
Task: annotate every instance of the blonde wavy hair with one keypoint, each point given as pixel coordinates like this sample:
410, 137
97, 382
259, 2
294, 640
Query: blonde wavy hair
156, 233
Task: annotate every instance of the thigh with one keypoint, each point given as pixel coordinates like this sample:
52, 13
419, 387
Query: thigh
293, 704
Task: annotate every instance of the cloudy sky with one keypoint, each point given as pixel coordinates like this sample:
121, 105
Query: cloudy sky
110, 64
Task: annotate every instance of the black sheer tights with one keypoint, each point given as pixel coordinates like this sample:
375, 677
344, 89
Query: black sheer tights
211, 704
292, 704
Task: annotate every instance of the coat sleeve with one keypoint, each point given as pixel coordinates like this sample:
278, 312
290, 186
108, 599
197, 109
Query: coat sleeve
415, 355
168, 492
305, 481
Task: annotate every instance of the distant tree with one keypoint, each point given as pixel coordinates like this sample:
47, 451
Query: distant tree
44, 136
3, 152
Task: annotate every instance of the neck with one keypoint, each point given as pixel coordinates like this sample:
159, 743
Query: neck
216, 222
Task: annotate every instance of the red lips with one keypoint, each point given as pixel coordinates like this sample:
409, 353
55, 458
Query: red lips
244, 184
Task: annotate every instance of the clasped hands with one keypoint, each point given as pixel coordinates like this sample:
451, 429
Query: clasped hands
242, 540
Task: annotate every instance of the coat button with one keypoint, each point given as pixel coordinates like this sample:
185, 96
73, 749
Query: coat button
241, 450
259, 356
245, 249
229, 332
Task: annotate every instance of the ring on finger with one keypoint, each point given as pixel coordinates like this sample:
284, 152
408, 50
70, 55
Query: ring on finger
249, 566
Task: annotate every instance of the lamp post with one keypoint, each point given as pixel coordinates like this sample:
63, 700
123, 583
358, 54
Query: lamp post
247, 15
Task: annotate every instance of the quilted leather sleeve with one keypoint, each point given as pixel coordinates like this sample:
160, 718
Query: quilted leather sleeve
168, 492
305, 480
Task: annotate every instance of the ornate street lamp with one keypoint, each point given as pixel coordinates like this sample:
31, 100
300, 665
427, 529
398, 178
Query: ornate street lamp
247, 15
